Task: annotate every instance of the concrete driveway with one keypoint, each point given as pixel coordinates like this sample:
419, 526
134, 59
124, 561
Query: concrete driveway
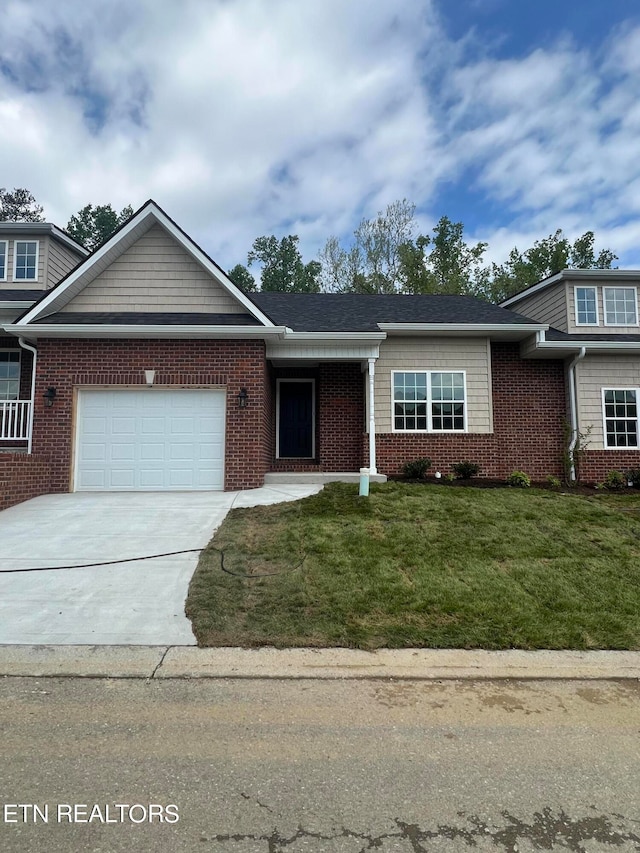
137, 603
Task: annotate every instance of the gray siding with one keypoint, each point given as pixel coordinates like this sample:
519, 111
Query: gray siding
594, 373
473, 355
155, 274
60, 261
547, 306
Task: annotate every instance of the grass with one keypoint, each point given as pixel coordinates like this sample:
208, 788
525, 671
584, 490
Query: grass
424, 566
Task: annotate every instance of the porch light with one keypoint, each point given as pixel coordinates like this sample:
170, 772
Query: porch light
150, 377
49, 396
243, 398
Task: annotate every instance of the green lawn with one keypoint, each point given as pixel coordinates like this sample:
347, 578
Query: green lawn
425, 566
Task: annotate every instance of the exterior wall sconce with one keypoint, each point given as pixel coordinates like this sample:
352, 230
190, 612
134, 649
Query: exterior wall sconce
49, 396
243, 398
150, 377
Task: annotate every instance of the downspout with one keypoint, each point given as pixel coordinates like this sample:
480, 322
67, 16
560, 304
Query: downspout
573, 410
372, 418
27, 346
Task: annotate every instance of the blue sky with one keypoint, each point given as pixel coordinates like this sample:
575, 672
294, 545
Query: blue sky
243, 118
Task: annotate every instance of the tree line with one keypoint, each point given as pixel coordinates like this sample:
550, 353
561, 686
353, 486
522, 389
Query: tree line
384, 255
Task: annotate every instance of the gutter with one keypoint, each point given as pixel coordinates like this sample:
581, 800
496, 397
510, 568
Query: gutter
60, 330
27, 346
573, 410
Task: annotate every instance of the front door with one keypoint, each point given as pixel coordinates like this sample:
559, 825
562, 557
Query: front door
296, 419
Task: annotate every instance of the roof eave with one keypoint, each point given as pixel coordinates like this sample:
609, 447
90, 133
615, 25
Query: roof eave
33, 331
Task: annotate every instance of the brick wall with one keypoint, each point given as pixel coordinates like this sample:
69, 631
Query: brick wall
596, 464
69, 364
23, 477
528, 412
339, 418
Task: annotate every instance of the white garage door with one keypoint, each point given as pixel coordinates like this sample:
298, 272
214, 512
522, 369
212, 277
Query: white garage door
151, 439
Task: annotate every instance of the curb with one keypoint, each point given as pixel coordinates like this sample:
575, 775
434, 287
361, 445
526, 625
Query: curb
190, 662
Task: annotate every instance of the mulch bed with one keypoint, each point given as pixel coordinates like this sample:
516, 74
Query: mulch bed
487, 483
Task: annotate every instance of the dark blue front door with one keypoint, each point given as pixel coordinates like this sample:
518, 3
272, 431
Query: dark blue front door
295, 434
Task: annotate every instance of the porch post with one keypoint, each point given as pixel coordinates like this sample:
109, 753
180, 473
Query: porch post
372, 418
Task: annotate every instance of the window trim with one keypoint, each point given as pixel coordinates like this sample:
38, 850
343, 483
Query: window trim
604, 305
5, 243
578, 287
430, 430
19, 351
626, 448
15, 259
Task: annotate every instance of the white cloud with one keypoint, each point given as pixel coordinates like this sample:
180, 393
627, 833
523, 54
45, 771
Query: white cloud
242, 117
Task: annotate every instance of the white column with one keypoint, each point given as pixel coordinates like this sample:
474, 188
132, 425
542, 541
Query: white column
372, 418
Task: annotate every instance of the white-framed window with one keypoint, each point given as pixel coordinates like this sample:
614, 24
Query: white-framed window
9, 374
429, 400
620, 306
586, 306
620, 412
3, 260
25, 260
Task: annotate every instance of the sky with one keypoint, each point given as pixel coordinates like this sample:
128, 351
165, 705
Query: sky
243, 118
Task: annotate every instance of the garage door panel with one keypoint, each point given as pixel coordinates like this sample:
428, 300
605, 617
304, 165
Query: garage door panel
152, 439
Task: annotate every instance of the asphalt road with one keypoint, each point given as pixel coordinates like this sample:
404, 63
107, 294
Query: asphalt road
263, 766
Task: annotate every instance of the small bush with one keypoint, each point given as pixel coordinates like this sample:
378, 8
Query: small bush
553, 482
519, 479
465, 470
615, 480
449, 478
633, 477
416, 469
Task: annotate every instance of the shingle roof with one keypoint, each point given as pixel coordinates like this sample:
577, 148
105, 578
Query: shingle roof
346, 312
556, 335
143, 318
20, 295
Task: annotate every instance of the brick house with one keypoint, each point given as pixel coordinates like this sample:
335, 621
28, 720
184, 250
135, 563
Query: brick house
142, 366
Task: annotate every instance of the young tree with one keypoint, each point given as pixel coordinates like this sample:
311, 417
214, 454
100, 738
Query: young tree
241, 276
545, 258
19, 206
372, 263
283, 269
92, 226
443, 263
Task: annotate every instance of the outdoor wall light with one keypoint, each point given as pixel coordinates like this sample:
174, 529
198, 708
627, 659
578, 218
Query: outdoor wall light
49, 396
150, 377
243, 398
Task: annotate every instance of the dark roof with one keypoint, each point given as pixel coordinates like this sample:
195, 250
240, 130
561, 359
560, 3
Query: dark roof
142, 318
21, 295
347, 312
556, 335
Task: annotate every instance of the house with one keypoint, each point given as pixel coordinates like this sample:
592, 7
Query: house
144, 367
593, 323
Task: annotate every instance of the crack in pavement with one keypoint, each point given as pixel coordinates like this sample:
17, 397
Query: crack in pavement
546, 831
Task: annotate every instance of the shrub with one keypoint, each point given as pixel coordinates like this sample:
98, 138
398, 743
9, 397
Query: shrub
615, 480
465, 470
553, 482
633, 476
416, 469
519, 479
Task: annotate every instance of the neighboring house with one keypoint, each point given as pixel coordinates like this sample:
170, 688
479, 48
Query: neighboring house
154, 371
593, 322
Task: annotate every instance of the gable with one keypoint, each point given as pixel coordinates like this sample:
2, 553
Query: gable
152, 275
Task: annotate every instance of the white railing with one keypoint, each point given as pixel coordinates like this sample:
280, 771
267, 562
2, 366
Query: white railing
14, 420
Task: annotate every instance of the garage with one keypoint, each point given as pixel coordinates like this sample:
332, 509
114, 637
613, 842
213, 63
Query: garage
150, 439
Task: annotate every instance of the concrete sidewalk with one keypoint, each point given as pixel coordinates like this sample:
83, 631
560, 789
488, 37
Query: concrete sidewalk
418, 664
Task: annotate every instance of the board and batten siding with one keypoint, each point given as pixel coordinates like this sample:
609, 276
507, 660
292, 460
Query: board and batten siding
473, 355
593, 374
547, 306
600, 328
155, 274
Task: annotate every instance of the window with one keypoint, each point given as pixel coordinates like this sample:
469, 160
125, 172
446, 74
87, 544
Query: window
3, 260
620, 417
9, 375
429, 401
620, 306
25, 260
586, 306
